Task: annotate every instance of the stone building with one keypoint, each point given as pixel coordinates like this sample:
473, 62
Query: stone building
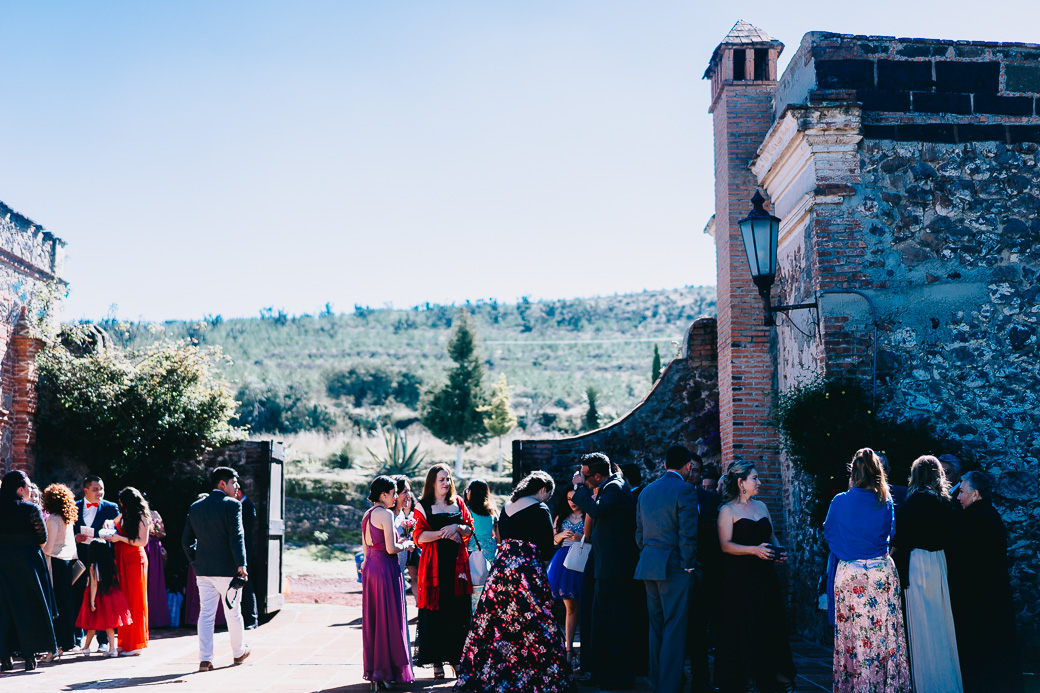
906, 174
31, 260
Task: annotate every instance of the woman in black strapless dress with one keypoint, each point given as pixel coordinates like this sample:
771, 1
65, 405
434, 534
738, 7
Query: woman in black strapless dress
752, 642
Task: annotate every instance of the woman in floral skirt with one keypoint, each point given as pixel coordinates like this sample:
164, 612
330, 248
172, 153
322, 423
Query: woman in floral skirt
870, 653
515, 644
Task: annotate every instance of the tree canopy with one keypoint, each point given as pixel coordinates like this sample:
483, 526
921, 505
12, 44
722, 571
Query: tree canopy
453, 412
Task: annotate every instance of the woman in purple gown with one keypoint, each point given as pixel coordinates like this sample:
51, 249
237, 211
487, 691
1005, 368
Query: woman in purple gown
383, 618
158, 608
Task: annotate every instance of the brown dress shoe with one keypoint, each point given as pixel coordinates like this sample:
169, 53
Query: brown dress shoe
241, 658
205, 666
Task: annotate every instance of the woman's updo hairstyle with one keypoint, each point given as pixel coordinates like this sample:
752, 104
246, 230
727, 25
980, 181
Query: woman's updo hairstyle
865, 471
380, 485
737, 472
532, 484
927, 475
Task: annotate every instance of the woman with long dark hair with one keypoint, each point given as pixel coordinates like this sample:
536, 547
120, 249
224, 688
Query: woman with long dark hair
516, 643
60, 552
481, 504
924, 525
870, 651
132, 528
384, 622
443, 524
752, 634
25, 611
569, 529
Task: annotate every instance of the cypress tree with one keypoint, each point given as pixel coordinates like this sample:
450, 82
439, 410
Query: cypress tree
655, 369
453, 412
500, 420
592, 414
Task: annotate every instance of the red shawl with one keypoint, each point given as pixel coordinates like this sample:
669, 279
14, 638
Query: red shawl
428, 596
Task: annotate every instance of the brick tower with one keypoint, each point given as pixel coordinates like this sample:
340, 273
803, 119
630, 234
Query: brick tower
743, 80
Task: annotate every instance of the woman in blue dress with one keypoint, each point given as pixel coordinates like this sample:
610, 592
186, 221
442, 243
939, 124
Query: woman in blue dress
481, 504
565, 584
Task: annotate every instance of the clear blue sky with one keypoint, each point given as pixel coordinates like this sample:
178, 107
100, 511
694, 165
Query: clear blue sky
218, 157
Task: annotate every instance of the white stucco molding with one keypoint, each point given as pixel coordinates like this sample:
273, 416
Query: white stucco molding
808, 157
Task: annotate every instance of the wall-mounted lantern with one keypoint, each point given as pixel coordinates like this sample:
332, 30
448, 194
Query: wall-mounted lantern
761, 232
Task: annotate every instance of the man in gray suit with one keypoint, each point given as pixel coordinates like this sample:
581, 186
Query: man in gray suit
214, 542
666, 533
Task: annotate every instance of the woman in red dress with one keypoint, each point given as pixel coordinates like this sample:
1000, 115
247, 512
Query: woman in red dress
132, 528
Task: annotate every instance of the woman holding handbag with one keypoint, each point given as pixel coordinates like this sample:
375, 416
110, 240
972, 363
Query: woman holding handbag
564, 582
515, 643
442, 526
481, 502
60, 554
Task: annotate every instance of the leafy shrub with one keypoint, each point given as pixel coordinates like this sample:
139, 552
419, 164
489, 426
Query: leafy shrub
373, 384
824, 423
344, 459
288, 409
136, 418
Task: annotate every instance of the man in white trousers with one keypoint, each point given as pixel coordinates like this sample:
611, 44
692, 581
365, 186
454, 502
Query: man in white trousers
214, 542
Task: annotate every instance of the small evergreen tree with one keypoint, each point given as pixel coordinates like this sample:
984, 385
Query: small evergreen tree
655, 369
453, 412
500, 420
592, 413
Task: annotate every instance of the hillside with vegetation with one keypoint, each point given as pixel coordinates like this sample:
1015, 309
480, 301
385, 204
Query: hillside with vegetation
345, 391
341, 372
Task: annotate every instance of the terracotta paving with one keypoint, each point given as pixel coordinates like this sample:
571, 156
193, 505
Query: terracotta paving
304, 648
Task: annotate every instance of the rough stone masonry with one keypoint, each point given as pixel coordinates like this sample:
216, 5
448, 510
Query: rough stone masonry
906, 173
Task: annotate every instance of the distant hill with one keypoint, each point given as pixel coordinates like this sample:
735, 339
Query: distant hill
337, 371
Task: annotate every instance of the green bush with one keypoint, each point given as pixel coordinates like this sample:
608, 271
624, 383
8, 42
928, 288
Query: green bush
344, 459
823, 424
136, 418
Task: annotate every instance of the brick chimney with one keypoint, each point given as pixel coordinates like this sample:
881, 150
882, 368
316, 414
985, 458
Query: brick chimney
743, 81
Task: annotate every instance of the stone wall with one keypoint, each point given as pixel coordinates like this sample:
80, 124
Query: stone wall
911, 214
31, 261
682, 408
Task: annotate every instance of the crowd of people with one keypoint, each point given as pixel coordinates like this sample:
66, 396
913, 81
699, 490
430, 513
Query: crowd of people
918, 587
75, 571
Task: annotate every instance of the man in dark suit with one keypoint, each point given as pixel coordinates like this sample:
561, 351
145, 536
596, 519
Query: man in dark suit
666, 534
214, 542
94, 512
249, 612
614, 550
640, 651
703, 603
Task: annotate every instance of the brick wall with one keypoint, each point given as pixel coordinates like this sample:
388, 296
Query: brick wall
679, 409
742, 112
31, 261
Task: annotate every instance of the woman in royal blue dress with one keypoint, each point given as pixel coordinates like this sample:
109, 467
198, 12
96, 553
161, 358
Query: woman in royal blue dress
565, 583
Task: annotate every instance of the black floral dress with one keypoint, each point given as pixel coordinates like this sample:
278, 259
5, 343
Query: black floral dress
515, 644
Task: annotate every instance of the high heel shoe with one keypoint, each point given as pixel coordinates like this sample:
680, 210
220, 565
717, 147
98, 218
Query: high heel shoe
6, 664
30, 662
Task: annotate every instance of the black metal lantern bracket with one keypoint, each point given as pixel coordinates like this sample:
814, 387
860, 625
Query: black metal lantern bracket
760, 232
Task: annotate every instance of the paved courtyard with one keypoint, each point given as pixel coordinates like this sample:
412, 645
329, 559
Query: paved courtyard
305, 648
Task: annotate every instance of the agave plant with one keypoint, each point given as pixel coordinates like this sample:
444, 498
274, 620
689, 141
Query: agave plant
398, 458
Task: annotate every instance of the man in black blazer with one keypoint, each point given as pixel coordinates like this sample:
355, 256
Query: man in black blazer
249, 611
214, 542
94, 512
614, 550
